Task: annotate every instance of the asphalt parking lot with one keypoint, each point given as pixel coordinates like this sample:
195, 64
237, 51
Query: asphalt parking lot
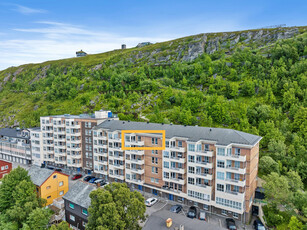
159, 213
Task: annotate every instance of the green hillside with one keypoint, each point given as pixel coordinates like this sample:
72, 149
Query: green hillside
254, 81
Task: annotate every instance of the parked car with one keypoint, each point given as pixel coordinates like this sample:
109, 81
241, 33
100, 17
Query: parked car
58, 170
176, 208
99, 181
51, 168
202, 215
231, 224
87, 178
192, 213
258, 225
76, 176
93, 180
151, 201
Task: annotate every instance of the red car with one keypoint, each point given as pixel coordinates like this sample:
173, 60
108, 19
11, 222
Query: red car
77, 176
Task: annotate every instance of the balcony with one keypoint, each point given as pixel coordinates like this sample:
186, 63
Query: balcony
205, 153
140, 182
203, 163
101, 137
137, 161
138, 171
75, 141
173, 169
118, 157
236, 170
230, 195
76, 134
236, 158
118, 166
118, 176
204, 176
178, 159
177, 149
101, 162
76, 148
240, 183
174, 180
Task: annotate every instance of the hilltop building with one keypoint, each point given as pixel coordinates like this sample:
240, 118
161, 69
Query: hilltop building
124, 46
81, 53
50, 184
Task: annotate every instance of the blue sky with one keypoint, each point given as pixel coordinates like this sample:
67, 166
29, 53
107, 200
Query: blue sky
34, 31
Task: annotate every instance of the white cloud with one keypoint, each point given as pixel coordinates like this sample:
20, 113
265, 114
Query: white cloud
27, 10
54, 40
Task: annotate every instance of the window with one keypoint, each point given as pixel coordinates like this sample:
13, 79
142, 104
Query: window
224, 212
157, 181
220, 187
61, 183
61, 193
167, 144
191, 158
166, 164
205, 206
6, 167
229, 203
84, 211
180, 144
237, 152
71, 217
221, 151
154, 169
191, 180
206, 147
236, 176
83, 223
235, 215
191, 148
48, 197
48, 187
152, 179
198, 195
236, 188
191, 169
220, 164
237, 164
72, 206
165, 154
166, 175
54, 176
220, 175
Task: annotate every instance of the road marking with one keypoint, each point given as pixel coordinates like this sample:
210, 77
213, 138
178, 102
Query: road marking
220, 222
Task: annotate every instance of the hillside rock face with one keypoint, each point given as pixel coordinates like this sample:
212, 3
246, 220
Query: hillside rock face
191, 47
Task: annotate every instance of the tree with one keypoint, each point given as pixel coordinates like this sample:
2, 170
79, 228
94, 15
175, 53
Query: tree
277, 189
268, 165
8, 186
38, 219
295, 182
295, 224
21, 200
61, 226
116, 207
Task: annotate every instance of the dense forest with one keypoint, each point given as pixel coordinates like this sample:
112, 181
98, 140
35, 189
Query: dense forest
260, 89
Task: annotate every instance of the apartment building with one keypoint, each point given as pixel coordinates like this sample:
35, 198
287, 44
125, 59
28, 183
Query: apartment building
213, 168
67, 139
36, 146
15, 145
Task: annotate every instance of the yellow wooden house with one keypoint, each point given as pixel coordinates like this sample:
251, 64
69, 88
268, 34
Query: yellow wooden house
49, 184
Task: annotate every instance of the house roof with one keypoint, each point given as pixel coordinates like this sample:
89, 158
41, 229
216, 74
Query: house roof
12, 133
79, 194
81, 51
221, 136
39, 175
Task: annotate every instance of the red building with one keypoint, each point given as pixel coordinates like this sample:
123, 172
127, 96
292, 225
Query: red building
5, 168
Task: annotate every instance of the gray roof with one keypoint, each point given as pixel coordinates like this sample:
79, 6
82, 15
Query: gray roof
193, 133
35, 129
12, 133
87, 116
39, 175
79, 194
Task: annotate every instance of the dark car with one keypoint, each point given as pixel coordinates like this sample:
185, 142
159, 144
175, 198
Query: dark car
231, 224
87, 178
192, 212
58, 170
258, 225
176, 208
76, 177
93, 180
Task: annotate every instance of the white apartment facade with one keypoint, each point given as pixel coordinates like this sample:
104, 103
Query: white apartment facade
212, 168
36, 146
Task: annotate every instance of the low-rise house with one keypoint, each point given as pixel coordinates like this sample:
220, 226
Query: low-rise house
81, 53
49, 184
5, 168
76, 202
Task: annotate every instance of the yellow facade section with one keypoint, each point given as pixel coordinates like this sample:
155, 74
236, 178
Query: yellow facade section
55, 186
